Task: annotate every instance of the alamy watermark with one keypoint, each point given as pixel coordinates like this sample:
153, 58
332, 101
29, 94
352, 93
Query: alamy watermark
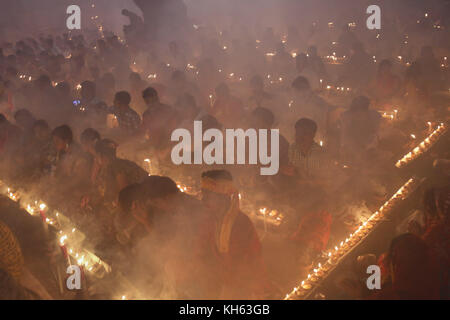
74, 20
73, 282
374, 281
214, 151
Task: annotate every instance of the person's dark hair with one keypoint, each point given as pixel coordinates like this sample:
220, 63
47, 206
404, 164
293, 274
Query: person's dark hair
106, 147
218, 175
41, 124
123, 97
150, 92
155, 187
265, 114
63, 132
88, 86
89, 135
306, 123
23, 114
210, 122
301, 83
128, 195
360, 103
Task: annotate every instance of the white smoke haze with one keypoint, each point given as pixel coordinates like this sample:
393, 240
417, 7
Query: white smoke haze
205, 58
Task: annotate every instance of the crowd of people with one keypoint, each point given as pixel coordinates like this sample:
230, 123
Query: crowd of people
86, 125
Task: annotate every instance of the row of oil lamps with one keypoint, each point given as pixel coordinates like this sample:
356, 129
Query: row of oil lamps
274, 217
423, 147
84, 258
334, 256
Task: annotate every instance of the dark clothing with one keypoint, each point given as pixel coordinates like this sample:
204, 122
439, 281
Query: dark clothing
129, 120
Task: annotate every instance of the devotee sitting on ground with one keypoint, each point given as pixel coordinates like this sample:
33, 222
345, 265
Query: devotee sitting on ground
151, 98
176, 241
259, 97
114, 173
359, 129
386, 85
309, 105
129, 120
413, 271
70, 165
89, 99
236, 243
227, 108
35, 157
305, 154
307, 71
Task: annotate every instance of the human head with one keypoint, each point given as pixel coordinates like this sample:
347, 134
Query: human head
122, 99
217, 190
160, 192
262, 118
62, 137
105, 151
150, 96
88, 139
24, 118
210, 122
360, 105
130, 197
301, 85
305, 131
178, 77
